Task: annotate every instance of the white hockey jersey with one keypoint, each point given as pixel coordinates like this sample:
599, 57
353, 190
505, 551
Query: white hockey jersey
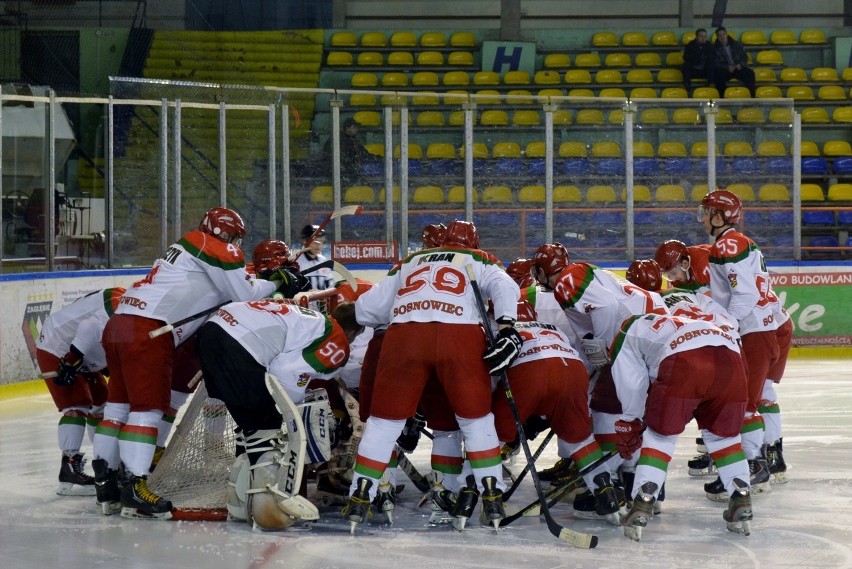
81, 323
645, 341
541, 341
699, 306
432, 286
196, 273
320, 279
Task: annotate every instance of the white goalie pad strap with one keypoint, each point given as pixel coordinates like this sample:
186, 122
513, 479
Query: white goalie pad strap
319, 422
238, 485
299, 508
289, 477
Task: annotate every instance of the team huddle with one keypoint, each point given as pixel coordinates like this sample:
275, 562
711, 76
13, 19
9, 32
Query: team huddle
614, 368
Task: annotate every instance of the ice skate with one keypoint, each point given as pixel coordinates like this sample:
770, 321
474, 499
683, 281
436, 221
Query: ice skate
607, 500
108, 495
465, 504
358, 508
330, 494
701, 465
563, 469
641, 511
759, 476
441, 500
73, 481
777, 466
700, 447
715, 491
738, 515
386, 500
492, 503
139, 501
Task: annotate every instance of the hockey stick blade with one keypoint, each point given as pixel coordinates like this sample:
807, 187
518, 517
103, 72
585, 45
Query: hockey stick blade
517, 481
169, 327
413, 474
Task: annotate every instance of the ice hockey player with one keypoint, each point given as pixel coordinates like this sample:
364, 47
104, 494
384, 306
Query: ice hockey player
72, 361
667, 370
204, 269
257, 357
740, 282
685, 267
312, 255
434, 330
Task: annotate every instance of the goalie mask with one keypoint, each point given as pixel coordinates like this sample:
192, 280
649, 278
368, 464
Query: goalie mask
224, 224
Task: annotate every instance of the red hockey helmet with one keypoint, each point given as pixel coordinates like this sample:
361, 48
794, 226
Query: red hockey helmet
526, 312
646, 274
724, 202
433, 235
670, 253
345, 293
520, 271
462, 234
550, 259
270, 255
223, 224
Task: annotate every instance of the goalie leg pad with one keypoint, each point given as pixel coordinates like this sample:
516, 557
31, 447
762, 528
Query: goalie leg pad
319, 422
238, 485
270, 507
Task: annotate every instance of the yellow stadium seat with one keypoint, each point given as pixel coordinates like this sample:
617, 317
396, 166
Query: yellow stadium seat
634, 39
531, 194
589, 117
400, 58
431, 58
463, 39
433, 39
424, 99
516, 78
430, 118
670, 76
812, 193
557, 61
486, 78
464, 58
395, 194
456, 118
815, 115
573, 149
831, 93
698, 192
359, 195
793, 74
456, 194
526, 118
543, 95
809, 148
608, 76
842, 114
640, 193
769, 57
367, 118
800, 93
394, 79
425, 79
370, 58
654, 116
428, 195
547, 77
578, 76
639, 76
440, 150
403, 39
643, 93
535, 149
841, 192
566, 194
415, 151
617, 60
374, 39
456, 78
750, 115
322, 194
724, 116
613, 92
506, 150
494, 117
674, 93
705, 93
686, 116
738, 148
604, 39
671, 149
488, 97
824, 74
771, 148
768, 92
606, 149
687, 37
600, 193
519, 97
587, 60
836, 148
664, 39
674, 59
497, 194
375, 148
670, 193
365, 80
391, 100
581, 93
737, 92
344, 39
765, 75
783, 37
643, 149
773, 193
615, 116
743, 191
362, 100
812, 37
753, 37
781, 116
339, 58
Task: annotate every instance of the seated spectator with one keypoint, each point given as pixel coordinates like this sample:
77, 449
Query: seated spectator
730, 62
352, 152
698, 60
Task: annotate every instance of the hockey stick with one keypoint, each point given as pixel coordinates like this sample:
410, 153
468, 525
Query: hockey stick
337, 268
575, 538
411, 471
517, 481
169, 327
346, 210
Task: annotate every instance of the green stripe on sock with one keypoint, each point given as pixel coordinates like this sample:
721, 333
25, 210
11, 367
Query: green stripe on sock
447, 468
137, 438
79, 421
654, 462
368, 472
107, 431
588, 459
752, 426
774, 408
729, 459
486, 462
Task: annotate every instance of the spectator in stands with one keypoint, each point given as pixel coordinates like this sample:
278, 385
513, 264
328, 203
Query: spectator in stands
730, 62
697, 60
352, 152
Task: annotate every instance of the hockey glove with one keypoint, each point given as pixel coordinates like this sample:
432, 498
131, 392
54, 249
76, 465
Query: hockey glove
628, 437
410, 436
596, 351
505, 350
290, 282
69, 365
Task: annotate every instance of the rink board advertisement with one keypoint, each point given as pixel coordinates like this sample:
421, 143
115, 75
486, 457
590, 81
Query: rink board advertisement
818, 304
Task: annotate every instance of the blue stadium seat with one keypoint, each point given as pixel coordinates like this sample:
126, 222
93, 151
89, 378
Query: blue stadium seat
783, 217
754, 217
420, 220
677, 218
559, 219
823, 241
481, 167
501, 219
509, 167
677, 166
535, 167
604, 217
645, 218
721, 166
844, 217
818, 217
415, 167
649, 242
577, 167
368, 221
785, 240
843, 165
745, 165
610, 167
780, 165
645, 166
444, 167
373, 169
849, 241
814, 165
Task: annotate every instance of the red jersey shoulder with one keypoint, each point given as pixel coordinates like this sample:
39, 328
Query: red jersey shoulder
215, 250
731, 244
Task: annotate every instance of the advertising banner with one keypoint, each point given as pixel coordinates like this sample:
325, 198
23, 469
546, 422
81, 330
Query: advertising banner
818, 304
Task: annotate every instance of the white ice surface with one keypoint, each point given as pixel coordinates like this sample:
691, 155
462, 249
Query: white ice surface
805, 523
